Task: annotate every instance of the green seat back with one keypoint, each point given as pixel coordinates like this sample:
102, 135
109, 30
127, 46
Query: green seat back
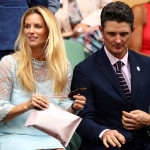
75, 52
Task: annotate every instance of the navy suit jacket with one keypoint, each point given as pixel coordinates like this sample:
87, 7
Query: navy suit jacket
105, 97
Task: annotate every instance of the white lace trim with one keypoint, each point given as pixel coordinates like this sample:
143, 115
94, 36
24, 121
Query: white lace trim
38, 62
4, 109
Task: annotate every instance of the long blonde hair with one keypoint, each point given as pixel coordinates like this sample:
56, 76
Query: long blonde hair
55, 54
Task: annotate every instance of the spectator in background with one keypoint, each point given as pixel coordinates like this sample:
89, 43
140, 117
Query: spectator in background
10, 18
79, 19
37, 69
53, 5
140, 40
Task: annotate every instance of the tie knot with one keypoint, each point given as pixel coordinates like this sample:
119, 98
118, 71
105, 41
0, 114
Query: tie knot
118, 66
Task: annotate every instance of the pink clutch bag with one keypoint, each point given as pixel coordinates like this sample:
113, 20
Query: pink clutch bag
55, 122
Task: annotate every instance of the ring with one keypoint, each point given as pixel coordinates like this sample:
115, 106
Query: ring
128, 125
79, 29
37, 98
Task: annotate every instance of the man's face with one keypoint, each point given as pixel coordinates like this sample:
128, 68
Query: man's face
116, 37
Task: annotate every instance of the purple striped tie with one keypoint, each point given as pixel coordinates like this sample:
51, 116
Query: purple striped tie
122, 81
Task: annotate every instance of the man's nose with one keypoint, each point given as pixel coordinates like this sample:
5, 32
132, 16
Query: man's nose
117, 39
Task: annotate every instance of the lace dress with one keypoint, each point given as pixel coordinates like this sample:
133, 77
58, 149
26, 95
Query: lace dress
13, 134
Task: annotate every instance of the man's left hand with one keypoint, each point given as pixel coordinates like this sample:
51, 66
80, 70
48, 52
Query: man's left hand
135, 120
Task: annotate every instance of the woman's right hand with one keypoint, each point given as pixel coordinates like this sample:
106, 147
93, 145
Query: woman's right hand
38, 101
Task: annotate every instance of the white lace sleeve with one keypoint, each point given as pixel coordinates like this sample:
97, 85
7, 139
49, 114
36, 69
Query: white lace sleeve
65, 104
6, 83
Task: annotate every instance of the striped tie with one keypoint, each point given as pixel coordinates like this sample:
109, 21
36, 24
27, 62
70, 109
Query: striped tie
122, 81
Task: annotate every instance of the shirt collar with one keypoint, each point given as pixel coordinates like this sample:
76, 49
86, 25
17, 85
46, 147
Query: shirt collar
113, 59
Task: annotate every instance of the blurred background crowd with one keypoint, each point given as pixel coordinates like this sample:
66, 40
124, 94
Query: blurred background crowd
78, 22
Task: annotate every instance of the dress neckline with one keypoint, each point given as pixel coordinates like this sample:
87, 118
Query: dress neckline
38, 62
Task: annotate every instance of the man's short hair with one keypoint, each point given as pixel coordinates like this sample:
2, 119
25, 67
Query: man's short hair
117, 11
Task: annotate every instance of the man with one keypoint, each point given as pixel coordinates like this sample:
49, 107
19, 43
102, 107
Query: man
118, 87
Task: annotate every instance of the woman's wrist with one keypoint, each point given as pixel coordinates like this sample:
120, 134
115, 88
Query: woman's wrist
26, 106
76, 111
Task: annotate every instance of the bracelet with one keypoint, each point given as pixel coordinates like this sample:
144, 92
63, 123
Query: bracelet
74, 110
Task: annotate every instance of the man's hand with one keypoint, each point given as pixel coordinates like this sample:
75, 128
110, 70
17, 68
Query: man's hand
114, 138
80, 28
135, 120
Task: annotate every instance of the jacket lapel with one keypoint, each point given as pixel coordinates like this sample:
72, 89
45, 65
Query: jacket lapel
105, 67
135, 68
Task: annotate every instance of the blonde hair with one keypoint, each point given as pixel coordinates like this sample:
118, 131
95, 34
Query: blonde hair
55, 54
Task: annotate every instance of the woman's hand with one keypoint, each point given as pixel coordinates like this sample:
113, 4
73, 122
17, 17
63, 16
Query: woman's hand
79, 102
38, 101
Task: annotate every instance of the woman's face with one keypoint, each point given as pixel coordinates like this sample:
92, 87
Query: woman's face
35, 31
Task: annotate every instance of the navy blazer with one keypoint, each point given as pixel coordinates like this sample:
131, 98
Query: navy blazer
105, 97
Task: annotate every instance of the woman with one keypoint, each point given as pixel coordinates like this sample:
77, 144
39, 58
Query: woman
38, 68
140, 41
81, 20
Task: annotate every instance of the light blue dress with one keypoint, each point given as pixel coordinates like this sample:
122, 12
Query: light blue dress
13, 134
